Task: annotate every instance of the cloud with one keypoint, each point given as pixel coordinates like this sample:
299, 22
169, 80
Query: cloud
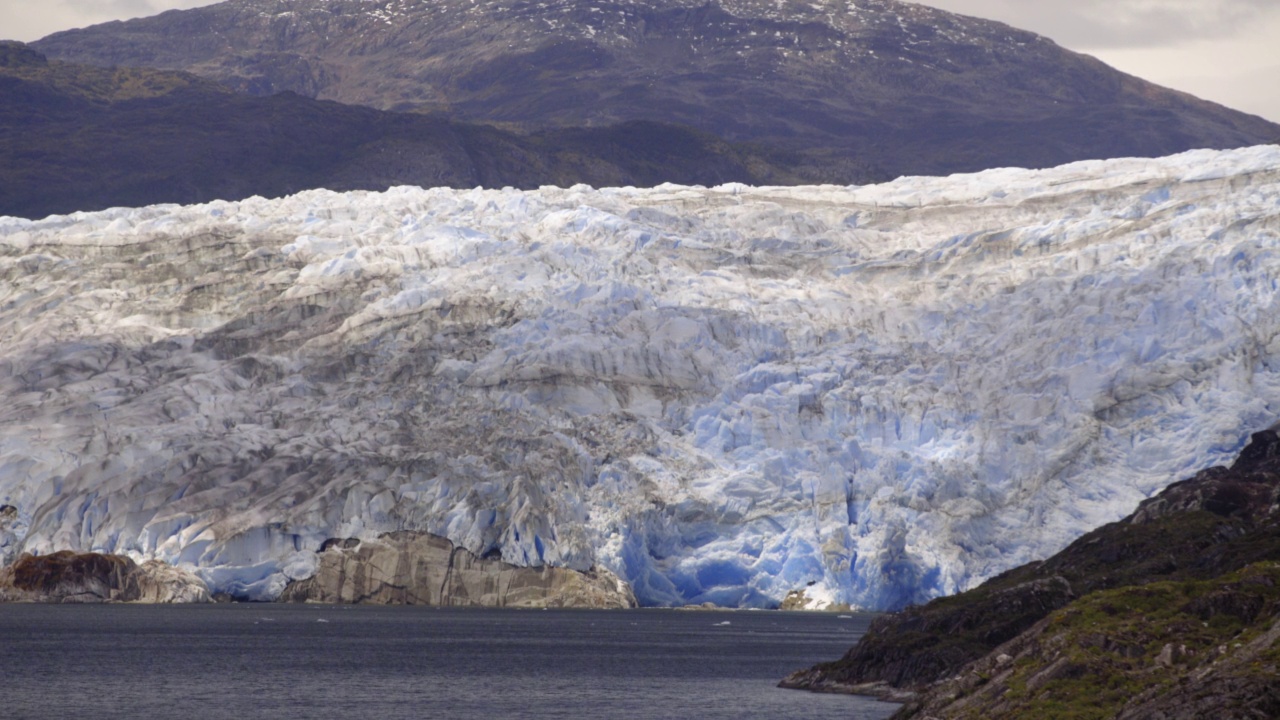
1239, 90
1221, 50
1109, 24
1239, 71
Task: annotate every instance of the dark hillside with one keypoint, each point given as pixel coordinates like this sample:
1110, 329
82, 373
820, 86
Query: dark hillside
84, 138
887, 87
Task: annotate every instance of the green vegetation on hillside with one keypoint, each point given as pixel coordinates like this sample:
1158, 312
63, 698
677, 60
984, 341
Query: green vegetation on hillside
1116, 651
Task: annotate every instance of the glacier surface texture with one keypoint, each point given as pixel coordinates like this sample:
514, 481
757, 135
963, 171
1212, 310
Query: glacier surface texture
878, 394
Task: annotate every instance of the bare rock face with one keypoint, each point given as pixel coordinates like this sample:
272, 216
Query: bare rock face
69, 577
406, 568
159, 582
1203, 650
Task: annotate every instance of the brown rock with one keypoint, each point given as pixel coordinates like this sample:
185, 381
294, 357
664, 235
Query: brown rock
69, 577
406, 568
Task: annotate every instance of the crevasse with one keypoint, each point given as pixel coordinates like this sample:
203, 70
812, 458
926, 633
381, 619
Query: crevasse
880, 394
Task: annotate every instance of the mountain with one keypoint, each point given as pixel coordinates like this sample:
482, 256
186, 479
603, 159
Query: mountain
868, 91
1173, 612
875, 394
89, 138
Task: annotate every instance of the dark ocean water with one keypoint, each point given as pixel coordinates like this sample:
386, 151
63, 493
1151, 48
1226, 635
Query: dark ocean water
296, 661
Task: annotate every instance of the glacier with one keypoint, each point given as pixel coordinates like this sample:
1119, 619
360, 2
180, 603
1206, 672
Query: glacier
877, 394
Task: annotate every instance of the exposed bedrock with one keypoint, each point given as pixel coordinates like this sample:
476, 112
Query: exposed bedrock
1164, 651
405, 568
69, 577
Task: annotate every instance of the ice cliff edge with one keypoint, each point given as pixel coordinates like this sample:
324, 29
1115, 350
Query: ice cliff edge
719, 394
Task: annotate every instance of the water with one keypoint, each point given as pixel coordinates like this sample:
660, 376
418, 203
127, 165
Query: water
296, 661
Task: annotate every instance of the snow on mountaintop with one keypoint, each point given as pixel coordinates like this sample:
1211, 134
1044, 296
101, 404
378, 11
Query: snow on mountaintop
611, 23
721, 394
840, 91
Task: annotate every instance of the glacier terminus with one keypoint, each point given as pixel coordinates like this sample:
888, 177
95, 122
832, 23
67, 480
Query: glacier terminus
878, 394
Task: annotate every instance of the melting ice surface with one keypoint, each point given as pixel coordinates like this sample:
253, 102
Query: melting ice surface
879, 393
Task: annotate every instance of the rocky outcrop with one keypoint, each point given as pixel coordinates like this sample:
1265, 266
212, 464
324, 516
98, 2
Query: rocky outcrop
160, 582
804, 599
1188, 583
1171, 651
406, 568
925, 644
69, 577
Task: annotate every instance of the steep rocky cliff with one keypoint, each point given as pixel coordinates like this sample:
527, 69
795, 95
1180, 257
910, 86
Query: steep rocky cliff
69, 577
1180, 599
405, 568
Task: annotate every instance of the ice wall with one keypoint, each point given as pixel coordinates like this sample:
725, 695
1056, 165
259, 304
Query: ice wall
721, 394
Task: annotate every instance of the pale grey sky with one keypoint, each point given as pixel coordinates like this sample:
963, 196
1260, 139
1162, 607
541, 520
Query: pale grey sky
1227, 51
1222, 50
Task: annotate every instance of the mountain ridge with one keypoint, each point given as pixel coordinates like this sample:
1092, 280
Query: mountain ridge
900, 88
95, 137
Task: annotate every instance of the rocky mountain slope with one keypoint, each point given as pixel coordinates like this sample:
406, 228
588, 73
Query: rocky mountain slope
1173, 612
877, 394
867, 90
93, 138
1174, 651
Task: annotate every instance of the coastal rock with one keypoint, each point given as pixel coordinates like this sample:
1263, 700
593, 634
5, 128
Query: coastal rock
159, 582
804, 599
927, 644
405, 568
69, 577
1135, 652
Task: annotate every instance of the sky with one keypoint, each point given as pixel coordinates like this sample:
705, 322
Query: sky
1227, 51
